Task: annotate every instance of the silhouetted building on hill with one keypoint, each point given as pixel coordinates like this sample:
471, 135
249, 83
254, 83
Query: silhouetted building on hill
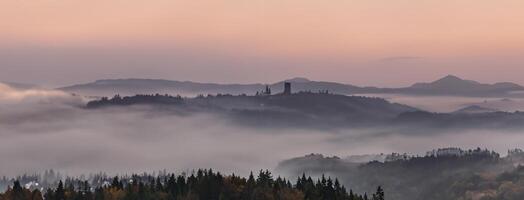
287, 88
267, 91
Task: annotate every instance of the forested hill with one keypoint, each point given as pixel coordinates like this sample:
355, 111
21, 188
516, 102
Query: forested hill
202, 185
117, 100
303, 108
444, 174
317, 110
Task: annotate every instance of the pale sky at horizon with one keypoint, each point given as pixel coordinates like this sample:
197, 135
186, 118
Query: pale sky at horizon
362, 42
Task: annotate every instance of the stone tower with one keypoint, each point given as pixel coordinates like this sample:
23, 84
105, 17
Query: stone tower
287, 88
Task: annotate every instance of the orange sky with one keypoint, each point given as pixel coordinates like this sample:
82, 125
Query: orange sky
452, 36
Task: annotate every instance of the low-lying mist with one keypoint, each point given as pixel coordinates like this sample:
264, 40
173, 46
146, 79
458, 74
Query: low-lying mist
453, 103
50, 130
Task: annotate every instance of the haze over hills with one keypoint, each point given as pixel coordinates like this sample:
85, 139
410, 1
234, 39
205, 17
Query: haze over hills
111, 87
452, 85
327, 119
303, 109
461, 174
320, 111
20, 86
447, 86
474, 109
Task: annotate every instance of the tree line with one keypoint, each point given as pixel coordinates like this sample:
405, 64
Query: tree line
202, 185
137, 99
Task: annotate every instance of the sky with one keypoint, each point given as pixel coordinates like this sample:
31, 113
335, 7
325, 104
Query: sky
363, 42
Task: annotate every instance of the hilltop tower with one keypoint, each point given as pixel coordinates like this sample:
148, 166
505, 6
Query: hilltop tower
268, 90
287, 88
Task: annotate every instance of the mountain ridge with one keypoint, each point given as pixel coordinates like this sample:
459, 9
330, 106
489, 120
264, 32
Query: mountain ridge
453, 84
448, 85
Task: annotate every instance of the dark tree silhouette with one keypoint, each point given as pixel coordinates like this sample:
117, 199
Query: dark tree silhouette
203, 184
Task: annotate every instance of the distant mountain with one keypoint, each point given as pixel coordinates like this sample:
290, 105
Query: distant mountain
298, 80
474, 109
446, 83
20, 86
315, 86
452, 85
449, 85
126, 87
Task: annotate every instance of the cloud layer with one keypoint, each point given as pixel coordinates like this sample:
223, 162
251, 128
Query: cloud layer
42, 129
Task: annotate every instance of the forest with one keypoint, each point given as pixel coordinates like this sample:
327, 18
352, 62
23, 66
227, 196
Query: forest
137, 99
458, 174
318, 110
201, 185
302, 109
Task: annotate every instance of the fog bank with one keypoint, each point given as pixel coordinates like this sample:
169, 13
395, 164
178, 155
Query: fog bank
50, 130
